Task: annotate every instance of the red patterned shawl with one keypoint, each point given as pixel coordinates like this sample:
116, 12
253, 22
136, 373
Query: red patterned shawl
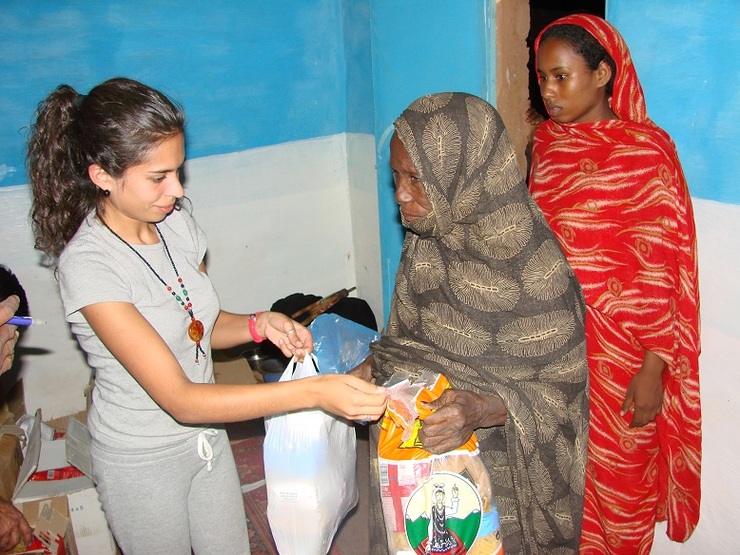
615, 195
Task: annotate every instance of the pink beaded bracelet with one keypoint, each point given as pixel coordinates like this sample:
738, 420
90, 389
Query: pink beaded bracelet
253, 328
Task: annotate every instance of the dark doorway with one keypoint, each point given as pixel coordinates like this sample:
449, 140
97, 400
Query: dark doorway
542, 12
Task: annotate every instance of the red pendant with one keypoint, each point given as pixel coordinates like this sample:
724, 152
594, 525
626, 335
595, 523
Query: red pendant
196, 330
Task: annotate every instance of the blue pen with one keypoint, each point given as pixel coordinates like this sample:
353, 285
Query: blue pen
24, 321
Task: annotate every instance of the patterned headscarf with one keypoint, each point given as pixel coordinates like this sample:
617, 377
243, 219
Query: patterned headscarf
485, 296
482, 274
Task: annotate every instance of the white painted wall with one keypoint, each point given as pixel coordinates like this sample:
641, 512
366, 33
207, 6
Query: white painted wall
363, 198
303, 217
718, 533
279, 220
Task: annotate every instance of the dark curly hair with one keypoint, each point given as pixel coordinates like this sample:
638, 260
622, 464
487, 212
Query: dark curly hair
585, 45
115, 126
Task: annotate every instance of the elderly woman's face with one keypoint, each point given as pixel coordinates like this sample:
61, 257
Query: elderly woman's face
412, 201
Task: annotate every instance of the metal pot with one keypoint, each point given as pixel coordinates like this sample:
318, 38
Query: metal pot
270, 364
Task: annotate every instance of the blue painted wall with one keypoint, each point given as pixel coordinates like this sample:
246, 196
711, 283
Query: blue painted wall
421, 47
249, 72
253, 73
358, 62
687, 62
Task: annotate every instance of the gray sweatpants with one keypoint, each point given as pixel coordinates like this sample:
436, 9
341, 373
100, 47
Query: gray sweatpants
166, 501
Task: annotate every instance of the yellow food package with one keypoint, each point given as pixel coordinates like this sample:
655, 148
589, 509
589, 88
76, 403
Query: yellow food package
432, 504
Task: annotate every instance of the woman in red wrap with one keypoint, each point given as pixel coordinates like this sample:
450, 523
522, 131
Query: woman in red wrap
611, 186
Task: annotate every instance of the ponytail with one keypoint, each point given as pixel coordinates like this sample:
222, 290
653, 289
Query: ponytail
115, 126
62, 195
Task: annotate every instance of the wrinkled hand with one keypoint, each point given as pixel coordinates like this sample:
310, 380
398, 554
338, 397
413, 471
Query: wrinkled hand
8, 334
351, 397
645, 391
13, 527
457, 415
364, 370
293, 339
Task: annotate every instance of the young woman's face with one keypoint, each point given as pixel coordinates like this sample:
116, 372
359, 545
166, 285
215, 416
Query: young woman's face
412, 201
147, 192
572, 92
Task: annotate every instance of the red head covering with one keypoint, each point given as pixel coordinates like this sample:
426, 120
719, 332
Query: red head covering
628, 101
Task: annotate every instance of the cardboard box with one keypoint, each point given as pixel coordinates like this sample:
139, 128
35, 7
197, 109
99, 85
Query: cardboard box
233, 371
66, 514
11, 458
11, 440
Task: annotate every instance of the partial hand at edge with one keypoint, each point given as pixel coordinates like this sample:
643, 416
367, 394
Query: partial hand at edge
13, 527
8, 334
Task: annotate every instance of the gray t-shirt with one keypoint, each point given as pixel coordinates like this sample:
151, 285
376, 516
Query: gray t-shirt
97, 267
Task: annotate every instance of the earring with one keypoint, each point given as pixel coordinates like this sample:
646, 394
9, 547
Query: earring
106, 193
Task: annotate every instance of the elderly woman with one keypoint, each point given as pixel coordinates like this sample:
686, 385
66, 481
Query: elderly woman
485, 296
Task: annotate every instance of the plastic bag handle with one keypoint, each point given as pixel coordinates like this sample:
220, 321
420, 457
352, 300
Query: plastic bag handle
294, 363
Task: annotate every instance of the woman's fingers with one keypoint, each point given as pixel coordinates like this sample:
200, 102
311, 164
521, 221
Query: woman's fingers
293, 339
349, 396
364, 401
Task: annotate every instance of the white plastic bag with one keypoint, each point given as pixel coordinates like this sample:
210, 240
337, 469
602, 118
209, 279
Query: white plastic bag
310, 473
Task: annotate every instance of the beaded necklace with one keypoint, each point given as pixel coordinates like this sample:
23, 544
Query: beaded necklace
196, 330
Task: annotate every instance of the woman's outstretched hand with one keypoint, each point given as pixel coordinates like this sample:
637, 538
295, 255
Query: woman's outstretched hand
351, 397
293, 339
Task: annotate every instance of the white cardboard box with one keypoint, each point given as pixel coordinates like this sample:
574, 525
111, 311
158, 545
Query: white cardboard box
86, 530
